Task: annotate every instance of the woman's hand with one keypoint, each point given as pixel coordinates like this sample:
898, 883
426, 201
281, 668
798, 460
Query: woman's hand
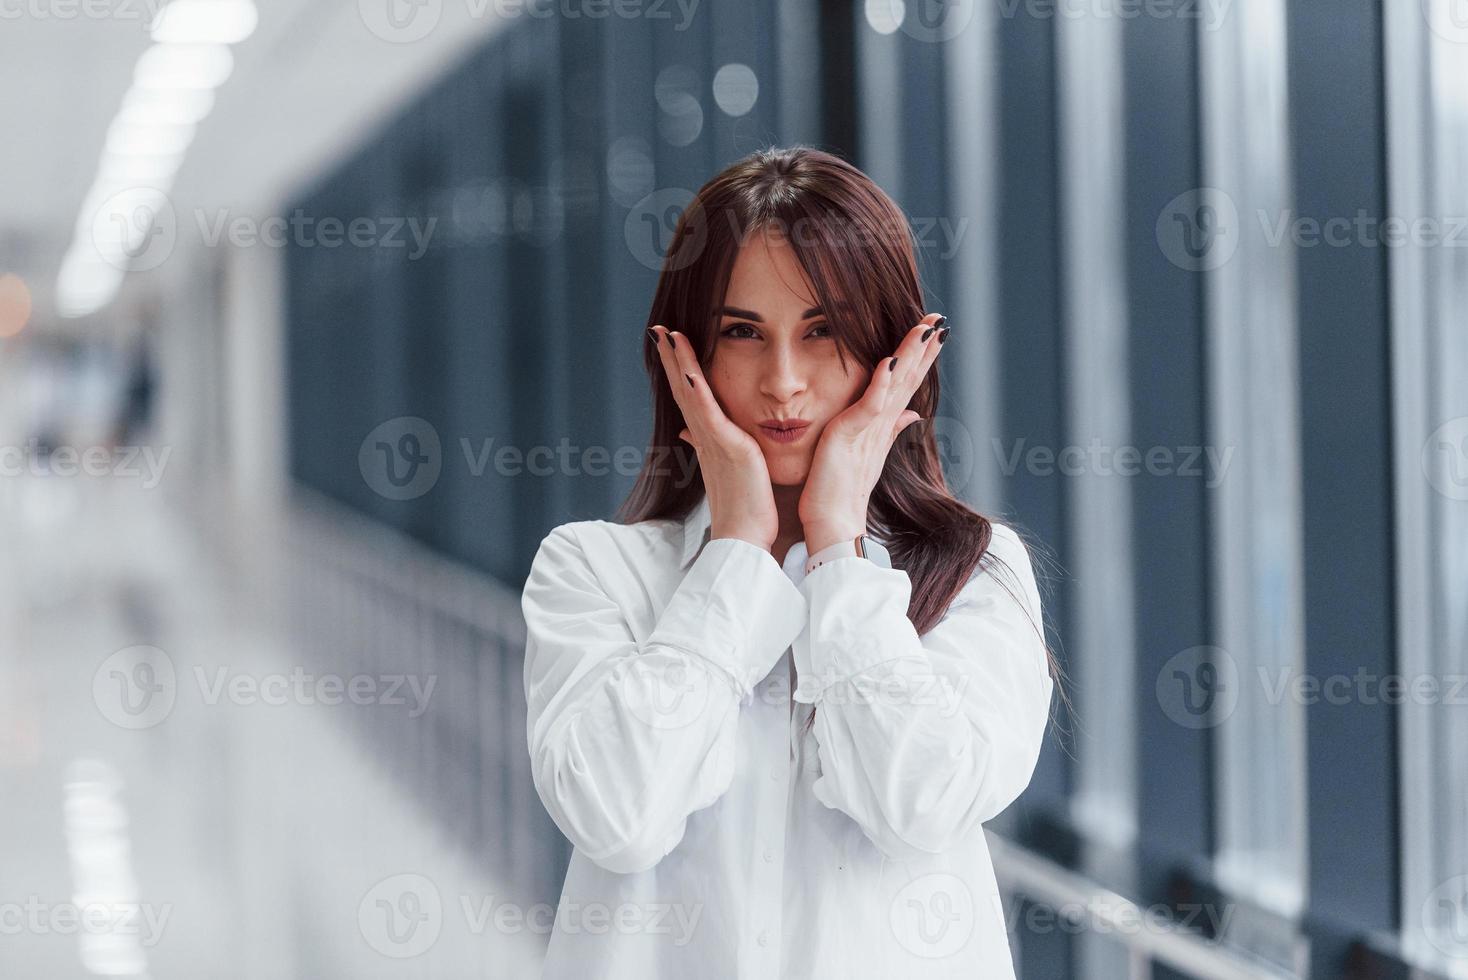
854, 445
735, 476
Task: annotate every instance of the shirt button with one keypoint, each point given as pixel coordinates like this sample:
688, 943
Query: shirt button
764, 939
774, 773
769, 856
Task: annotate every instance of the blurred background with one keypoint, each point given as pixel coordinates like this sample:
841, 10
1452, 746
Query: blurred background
316, 315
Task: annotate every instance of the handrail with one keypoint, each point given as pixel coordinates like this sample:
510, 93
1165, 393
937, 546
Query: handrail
387, 560
1035, 876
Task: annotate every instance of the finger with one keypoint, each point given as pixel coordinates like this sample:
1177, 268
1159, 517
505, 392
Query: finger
873, 402
667, 354
892, 385
700, 410
906, 418
916, 354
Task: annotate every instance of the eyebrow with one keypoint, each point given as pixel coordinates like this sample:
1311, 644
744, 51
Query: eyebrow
751, 315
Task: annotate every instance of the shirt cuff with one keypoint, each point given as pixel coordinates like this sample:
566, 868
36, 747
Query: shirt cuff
736, 608
854, 607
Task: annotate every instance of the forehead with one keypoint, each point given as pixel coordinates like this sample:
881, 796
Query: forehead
767, 277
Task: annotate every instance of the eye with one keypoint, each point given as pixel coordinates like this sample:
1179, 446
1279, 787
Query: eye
730, 331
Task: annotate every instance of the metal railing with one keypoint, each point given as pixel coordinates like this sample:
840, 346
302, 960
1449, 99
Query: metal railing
364, 597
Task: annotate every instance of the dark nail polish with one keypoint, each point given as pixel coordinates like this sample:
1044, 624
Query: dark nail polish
892, 364
672, 341
654, 335
940, 321
928, 333
943, 335
690, 380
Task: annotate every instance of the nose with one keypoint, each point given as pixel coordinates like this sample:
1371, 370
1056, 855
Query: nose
783, 374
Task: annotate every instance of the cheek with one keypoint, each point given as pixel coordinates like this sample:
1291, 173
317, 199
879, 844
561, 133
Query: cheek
846, 386
726, 383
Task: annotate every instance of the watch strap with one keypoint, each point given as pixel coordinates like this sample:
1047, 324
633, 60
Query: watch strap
861, 546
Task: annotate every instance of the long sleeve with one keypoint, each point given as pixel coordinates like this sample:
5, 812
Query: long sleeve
922, 739
626, 738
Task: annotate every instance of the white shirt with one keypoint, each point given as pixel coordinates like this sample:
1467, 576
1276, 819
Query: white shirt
714, 836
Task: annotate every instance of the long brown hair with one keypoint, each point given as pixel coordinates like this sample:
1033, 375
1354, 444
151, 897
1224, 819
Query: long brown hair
853, 243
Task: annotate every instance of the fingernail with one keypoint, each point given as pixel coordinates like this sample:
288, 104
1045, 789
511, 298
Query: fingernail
653, 334
943, 335
672, 341
690, 380
928, 333
940, 321
892, 364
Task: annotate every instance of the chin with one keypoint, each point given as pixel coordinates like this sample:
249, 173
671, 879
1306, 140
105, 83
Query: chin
787, 472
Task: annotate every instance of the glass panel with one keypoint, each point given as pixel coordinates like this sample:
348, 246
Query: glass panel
1253, 406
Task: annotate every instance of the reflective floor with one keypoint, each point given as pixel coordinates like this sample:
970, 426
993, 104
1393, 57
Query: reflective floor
186, 793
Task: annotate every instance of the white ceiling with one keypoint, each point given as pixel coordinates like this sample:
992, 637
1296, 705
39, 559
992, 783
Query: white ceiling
310, 81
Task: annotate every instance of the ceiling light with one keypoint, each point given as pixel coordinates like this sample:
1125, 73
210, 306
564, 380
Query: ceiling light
166, 106
85, 284
183, 66
126, 139
213, 21
138, 167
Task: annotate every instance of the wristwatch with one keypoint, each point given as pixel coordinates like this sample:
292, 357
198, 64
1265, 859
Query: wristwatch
861, 546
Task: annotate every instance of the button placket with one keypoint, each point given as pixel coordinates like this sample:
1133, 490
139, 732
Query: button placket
769, 868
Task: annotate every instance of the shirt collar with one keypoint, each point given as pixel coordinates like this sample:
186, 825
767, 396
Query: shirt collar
698, 524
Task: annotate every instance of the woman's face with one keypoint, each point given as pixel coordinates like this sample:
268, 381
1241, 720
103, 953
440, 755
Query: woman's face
776, 358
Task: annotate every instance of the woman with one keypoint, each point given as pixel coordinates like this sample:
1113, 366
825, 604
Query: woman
773, 706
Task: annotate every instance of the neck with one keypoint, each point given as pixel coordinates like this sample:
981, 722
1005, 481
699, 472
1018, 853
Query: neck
787, 505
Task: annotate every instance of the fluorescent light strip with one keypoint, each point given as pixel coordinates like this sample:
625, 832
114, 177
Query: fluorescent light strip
172, 92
